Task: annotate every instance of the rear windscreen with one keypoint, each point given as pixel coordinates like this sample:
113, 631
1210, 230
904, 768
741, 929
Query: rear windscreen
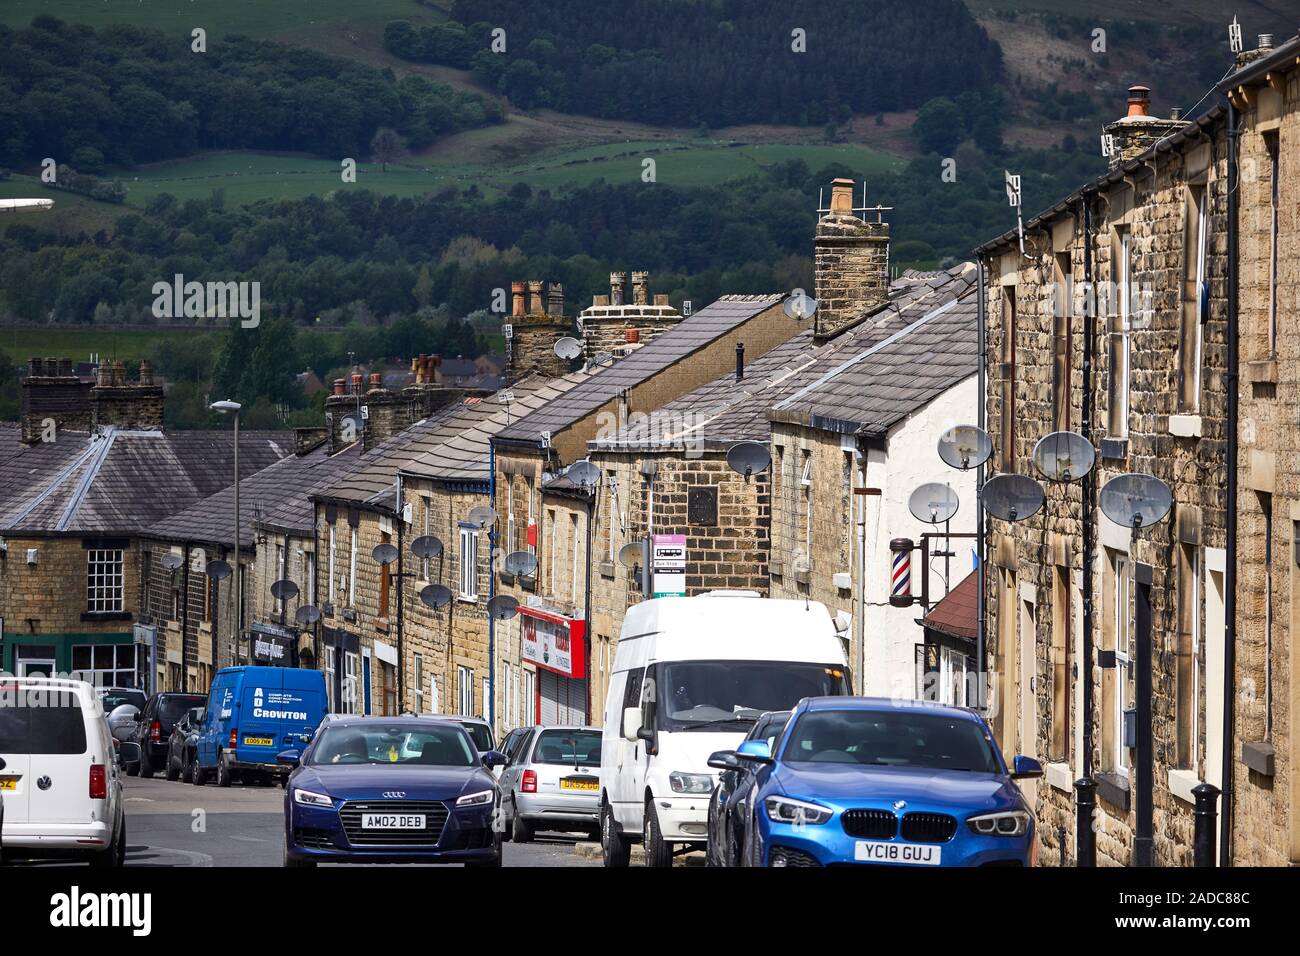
58, 728
174, 708
577, 748
481, 736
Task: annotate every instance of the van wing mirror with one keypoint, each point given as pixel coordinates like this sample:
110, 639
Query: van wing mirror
631, 722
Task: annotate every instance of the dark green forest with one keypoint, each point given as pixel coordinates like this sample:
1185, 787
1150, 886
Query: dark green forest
716, 63
125, 95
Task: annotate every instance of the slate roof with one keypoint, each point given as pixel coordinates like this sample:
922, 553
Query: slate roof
725, 411
909, 352
957, 614
120, 481
687, 336
465, 456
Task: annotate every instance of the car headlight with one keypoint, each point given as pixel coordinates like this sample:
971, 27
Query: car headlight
311, 799
796, 812
480, 799
690, 782
1008, 823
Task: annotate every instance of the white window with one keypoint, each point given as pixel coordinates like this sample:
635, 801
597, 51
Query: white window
574, 573
282, 572
528, 708
511, 544
105, 665
417, 681
424, 562
1120, 339
329, 679
104, 581
553, 532
310, 559
469, 564
1123, 658
350, 682
352, 571
465, 690
487, 701
435, 699
329, 596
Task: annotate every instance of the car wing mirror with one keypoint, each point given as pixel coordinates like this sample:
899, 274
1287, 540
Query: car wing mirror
723, 760
758, 751
1024, 768
494, 758
128, 752
289, 758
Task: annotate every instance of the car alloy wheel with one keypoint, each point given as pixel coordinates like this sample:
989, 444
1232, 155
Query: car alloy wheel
224, 777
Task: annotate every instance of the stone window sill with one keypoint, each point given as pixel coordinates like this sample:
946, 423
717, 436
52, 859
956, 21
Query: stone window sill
1262, 372
106, 615
1114, 789
1185, 426
1060, 776
1181, 784
1258, 756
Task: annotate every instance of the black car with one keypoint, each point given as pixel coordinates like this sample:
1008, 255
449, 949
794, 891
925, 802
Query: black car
153, 729
728, 803
183, 744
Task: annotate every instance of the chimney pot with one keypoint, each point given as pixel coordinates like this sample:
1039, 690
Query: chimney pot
146, 372
339, 386
1139, 100
841, 197
356, 383
376, 380
640, 280
616, 282
632, 336
517, 294
555, 300
661, 298
740, 361
1266, 41
535, 304
599, 300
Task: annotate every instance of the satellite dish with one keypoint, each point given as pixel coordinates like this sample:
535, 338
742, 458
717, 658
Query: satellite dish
601, 359
520, 563
799, 305
307, 614
933, 503
435, 595
171, 561
218, 570
503, 607
1012, 497
630, 554
568, 347
426, 546
384, 553
748, 458
284, 590
965, 446
1064, 456
482, 516
584, 473
1135, 500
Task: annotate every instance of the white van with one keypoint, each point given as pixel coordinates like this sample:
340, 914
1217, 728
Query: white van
691, 676
59, 774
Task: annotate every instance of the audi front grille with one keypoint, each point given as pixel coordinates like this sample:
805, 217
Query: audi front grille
435, 818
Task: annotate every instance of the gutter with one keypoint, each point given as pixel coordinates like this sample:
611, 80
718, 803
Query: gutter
1230, 569
981, 613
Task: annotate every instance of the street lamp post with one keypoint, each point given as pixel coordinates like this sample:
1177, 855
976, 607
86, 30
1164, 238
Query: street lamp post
223, 407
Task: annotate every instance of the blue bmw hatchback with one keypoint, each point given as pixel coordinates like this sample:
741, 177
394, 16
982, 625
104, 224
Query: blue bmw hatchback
876, 781
391, 790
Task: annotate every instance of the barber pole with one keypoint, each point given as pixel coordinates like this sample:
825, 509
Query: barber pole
900, 581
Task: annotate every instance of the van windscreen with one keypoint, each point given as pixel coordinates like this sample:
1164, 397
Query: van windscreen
53, 728
732, 695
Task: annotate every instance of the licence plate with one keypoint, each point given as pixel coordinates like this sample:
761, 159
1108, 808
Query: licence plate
393, 821
871, 851
579, 783
259, 741
8, 783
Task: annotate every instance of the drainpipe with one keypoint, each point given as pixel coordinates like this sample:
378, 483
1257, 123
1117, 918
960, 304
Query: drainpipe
1085, 425
1230, 570
591, 506
490, 705
981, 665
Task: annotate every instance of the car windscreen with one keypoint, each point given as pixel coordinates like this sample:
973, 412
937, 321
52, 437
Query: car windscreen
481, 736
380, 743
731, 695
42, 727
573, 748
113, 699
171, 709
893, 738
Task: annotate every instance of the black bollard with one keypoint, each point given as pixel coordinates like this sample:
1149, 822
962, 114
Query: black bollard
1085, 808
1207, 795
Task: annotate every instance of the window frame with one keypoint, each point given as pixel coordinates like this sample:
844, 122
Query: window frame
105, 580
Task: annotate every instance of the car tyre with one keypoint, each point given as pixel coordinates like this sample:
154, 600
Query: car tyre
146, 768
173, 768
521, 831
658, 853
614, 847
224, 775
132, 769
293, 863
115, 856
197, 775
750, 855
491, 863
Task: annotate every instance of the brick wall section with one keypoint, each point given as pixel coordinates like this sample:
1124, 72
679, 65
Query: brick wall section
50, 598
1032, 550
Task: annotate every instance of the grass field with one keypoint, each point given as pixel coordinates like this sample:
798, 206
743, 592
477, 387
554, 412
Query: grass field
129, 345
258, 18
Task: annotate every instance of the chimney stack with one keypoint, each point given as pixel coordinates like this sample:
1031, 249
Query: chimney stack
1137, 131
850, 265
616, 282
122, 404
52, 392
640, 280
555, 300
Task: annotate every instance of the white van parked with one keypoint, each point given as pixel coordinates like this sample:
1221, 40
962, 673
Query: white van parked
59, 774
691, 676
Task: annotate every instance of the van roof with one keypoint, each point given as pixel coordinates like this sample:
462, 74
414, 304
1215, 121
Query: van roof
730, 626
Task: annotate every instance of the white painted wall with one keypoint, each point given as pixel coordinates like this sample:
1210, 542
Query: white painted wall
910, 458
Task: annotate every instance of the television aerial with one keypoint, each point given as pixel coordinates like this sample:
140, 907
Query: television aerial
435, 595
1012, 497
1135, 500
426, 546
1064, 456
933, 503
748, 458
502, 607
284, 590
520, 564
568, 347
965, 446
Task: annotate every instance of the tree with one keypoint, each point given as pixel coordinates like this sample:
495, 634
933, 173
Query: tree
387, 146
423, 290
938, 127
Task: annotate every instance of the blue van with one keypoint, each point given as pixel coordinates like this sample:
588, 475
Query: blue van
253, 714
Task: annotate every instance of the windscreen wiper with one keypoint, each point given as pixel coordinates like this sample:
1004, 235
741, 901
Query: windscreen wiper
691, 725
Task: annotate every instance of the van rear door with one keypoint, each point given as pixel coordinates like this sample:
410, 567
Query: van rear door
15, 736
61, 754
280, 708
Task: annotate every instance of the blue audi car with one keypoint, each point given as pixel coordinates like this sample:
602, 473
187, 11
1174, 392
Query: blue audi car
391, 790
861, 780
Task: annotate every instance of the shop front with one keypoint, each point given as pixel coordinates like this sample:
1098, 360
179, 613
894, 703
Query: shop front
554, 643
274, 646
106, 660
341, 662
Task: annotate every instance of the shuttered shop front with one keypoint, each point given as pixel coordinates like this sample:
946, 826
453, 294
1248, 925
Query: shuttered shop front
554, 643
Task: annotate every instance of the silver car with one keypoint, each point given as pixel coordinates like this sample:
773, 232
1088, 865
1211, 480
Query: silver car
551, 782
